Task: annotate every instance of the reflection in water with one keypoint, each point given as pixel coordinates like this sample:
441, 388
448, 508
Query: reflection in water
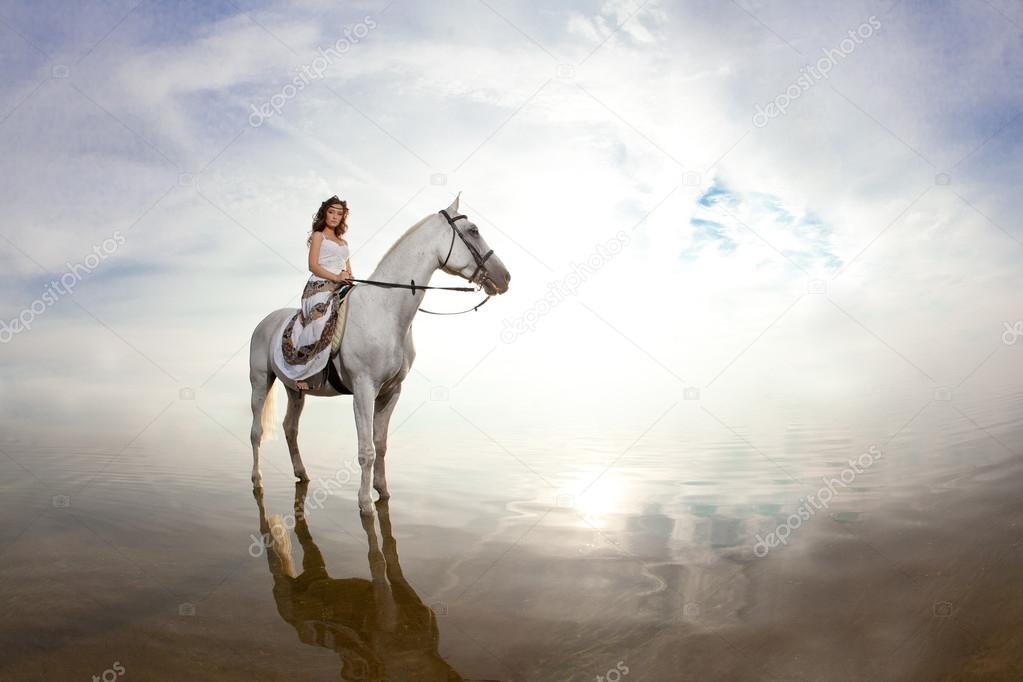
380, 628
911, 573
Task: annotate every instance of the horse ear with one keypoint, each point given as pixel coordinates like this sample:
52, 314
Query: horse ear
453, 208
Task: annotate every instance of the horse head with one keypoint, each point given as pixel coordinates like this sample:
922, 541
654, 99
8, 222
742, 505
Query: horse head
465, 252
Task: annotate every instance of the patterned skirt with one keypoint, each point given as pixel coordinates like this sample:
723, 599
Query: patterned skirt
305, 342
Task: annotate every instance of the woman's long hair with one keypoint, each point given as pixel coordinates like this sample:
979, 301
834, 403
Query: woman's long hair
320, 219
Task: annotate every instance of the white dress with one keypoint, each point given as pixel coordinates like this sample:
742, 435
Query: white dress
302, 345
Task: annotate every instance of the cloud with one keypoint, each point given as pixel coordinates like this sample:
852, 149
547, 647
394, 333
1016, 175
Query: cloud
726, 217
150, 132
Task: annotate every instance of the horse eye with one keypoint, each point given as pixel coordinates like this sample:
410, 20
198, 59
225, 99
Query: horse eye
474, 230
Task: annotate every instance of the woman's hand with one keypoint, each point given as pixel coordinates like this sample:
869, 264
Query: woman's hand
343, 278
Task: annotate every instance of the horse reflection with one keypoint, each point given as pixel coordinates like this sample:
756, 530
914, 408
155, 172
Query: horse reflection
380, 628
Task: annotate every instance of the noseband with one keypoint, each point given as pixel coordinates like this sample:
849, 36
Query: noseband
480, 260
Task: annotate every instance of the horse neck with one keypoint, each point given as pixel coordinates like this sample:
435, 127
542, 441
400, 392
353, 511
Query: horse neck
413, 257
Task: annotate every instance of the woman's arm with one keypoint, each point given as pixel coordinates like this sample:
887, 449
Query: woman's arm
348, 269
314, 258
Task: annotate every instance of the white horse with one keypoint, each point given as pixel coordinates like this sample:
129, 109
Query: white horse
376, 351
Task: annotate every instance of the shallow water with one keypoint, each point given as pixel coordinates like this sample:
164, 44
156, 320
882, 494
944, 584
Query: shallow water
529, 555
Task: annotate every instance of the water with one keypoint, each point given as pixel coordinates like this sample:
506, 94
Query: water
582, 553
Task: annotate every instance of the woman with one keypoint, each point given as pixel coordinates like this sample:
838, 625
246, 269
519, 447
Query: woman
305, 342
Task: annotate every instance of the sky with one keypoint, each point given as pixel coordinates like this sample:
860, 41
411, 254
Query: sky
808, 203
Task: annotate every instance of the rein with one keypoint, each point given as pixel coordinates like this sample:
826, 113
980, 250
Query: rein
480, 260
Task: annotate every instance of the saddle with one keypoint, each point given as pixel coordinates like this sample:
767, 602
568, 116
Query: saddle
342, 317
333, 377
330, 372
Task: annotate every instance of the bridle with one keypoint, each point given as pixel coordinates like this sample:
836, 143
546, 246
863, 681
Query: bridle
480, 261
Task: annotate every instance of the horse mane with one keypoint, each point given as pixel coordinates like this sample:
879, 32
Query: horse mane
407, 232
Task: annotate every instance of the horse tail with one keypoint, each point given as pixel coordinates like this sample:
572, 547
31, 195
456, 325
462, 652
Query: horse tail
280, 544
268, 417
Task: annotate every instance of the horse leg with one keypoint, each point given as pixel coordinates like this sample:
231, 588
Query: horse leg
262, 383
312, 557
390, 549
264, 525
383, 598
296, 401
384, 407
364, 394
